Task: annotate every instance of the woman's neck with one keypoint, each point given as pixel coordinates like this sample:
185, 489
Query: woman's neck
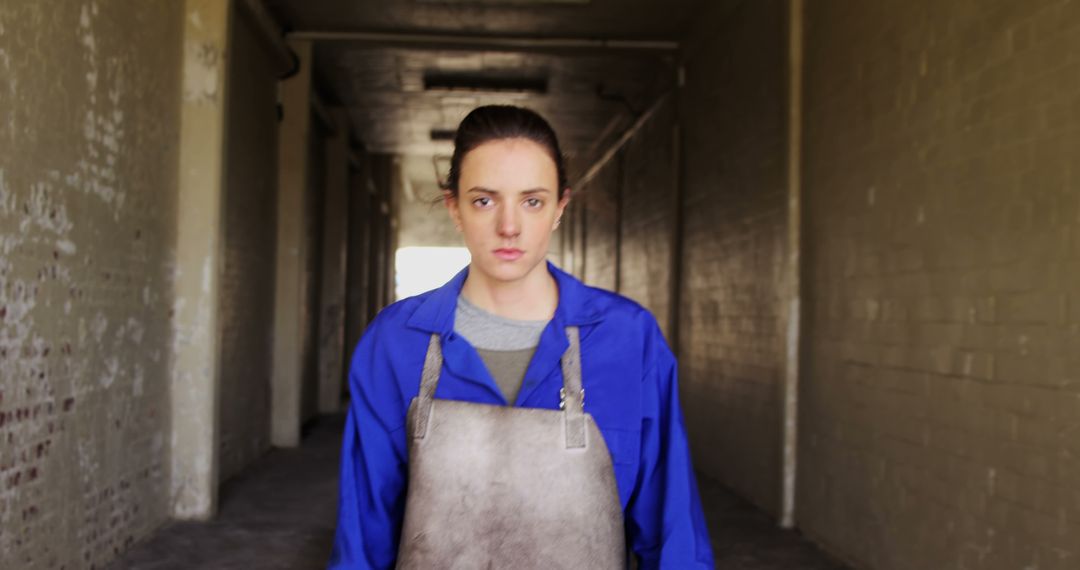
531, 298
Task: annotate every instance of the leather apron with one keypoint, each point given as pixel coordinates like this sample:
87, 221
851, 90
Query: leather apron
508, 487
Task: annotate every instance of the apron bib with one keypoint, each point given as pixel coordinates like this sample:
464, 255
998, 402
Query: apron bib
505, 487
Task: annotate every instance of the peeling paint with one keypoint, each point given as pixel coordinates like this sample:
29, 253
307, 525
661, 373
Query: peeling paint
112, 369
201, 72
137, 330
99, 326
97, 79
46, 211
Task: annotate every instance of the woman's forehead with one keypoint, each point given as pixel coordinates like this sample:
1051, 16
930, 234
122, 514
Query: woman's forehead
503, 164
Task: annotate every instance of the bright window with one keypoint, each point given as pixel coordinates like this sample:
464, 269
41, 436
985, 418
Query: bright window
422, 269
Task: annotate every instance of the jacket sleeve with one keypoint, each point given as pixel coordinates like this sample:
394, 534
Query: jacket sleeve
373, 465
666, 526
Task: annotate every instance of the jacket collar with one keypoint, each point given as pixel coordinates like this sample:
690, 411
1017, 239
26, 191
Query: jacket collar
436, 313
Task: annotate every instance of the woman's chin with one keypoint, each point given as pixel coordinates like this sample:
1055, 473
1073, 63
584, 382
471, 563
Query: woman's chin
507, 271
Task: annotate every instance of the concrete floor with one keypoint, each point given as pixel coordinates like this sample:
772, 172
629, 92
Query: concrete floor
280, 514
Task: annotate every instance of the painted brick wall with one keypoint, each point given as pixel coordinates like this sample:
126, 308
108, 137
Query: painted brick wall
599, 218
572, 235
88, 155
941, 400
731, 346
247, 283
649, 207
619, 229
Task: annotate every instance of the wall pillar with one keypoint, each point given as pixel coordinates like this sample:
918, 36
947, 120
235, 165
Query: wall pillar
335, 237
792, 293
290, 297
195, 382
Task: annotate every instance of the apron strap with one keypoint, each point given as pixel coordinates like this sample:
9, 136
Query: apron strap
571, 396
429, 379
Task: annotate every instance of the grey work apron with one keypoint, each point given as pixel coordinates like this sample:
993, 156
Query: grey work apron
507, 487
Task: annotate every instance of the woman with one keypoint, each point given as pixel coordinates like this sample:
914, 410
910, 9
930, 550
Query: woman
469, 440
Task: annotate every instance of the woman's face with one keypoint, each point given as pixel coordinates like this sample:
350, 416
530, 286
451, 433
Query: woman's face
507, 207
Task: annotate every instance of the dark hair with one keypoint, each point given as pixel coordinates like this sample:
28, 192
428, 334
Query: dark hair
498, 122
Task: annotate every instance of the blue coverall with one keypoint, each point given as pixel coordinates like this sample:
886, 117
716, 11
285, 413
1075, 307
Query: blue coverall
631, 390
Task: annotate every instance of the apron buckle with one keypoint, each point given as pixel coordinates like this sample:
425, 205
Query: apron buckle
562, 398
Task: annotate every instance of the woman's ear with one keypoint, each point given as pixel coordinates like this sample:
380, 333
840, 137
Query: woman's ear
564, 200
451, 203
561, 208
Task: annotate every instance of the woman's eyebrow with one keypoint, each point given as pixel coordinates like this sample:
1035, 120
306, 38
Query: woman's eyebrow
482, 190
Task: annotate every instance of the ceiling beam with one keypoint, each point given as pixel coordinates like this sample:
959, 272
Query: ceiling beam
478, 42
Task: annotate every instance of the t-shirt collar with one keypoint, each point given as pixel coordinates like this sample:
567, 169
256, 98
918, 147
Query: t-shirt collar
436, 312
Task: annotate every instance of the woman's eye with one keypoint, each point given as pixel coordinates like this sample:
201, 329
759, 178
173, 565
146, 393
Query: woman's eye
534, 202
482, 201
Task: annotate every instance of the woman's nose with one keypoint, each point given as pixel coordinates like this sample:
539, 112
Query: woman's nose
508, 224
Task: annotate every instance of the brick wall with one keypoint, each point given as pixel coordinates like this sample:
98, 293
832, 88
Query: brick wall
88, 157
941, 394
250, 232
618, 232
649, 207
572, 235
599, 217
731, 347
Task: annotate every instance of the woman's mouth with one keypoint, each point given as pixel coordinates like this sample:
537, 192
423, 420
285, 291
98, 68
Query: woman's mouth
508, 253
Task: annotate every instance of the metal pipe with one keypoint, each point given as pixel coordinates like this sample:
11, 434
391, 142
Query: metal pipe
450, 41
792, 267
610, 153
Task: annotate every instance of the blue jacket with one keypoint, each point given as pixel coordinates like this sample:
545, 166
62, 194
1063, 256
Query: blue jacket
629, 376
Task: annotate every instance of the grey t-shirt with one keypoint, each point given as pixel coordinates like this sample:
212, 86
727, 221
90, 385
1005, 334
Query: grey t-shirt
505, 345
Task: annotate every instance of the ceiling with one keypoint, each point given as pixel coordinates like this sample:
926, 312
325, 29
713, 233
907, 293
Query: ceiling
396, 94
635, 19
383, 90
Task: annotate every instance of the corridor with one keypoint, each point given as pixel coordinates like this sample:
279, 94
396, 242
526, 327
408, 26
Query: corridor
857, 225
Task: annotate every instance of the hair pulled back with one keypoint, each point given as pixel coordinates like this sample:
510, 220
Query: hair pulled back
499, 122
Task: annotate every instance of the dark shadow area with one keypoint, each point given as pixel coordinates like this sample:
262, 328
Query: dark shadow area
745, 538
277, 514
